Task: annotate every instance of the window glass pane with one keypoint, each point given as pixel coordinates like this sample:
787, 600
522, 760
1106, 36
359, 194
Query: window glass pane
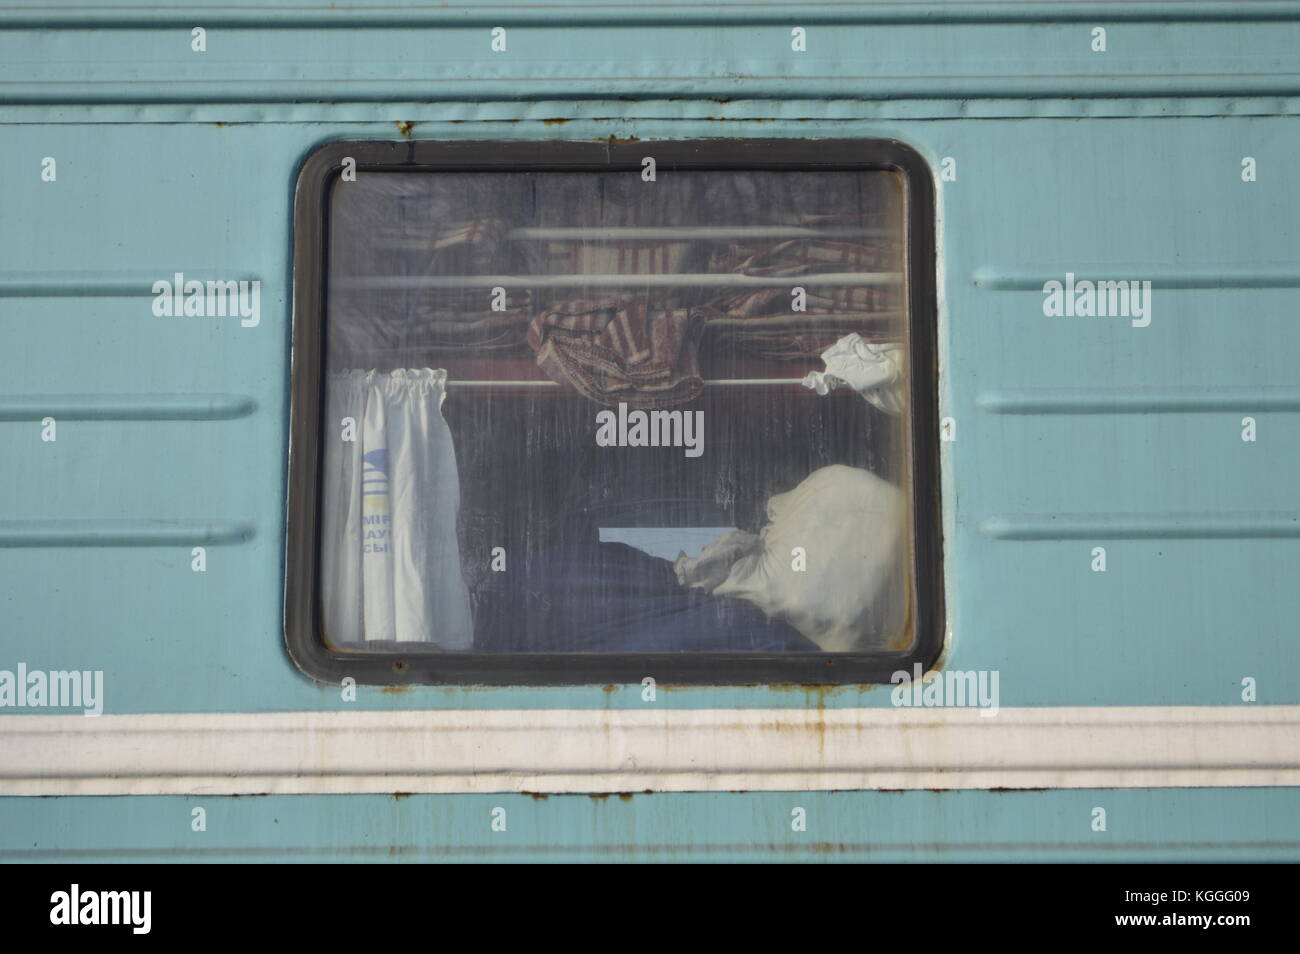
573, 412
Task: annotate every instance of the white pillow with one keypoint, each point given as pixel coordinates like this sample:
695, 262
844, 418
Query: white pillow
849, 523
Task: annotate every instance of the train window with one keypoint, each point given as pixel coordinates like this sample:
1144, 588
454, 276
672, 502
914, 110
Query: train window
578, 412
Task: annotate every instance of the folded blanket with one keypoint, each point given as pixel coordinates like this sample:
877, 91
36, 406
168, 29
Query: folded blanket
418, 320
615, 257
610, 597
801, 257
618, 349
790, 335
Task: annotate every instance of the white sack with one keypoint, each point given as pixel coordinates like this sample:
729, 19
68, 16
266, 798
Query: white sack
390, 561
850, 525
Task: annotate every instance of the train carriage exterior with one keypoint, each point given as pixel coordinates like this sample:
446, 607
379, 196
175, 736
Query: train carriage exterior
1074, 230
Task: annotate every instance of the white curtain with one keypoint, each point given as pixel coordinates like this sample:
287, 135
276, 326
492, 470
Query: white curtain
390, 562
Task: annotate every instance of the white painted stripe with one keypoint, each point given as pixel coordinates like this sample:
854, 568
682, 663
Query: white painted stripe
570, 750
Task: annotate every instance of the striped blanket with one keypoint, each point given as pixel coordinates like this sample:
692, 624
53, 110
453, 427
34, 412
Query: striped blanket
620, 349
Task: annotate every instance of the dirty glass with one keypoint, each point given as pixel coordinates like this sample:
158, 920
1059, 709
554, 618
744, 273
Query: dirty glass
580, 412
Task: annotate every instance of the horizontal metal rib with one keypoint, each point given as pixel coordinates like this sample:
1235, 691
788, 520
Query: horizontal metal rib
672, 280
123, 533
1034, 277
678, 13
126, 407
1139, 400
1156, 526
78, 284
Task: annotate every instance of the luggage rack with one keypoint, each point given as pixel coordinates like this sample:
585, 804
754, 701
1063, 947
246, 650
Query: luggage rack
649, 280
555, 384
607, 280
668, 233
448, 357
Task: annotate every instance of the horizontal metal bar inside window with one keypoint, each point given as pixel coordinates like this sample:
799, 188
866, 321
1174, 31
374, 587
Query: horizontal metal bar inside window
671, 233
554, 384
660, 233
674, 280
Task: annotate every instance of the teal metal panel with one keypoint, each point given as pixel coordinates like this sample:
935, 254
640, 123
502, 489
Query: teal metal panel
1200, 527
1224, 825
305, 62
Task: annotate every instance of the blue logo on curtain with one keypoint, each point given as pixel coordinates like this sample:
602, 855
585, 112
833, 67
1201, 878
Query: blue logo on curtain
374, 480
376, 529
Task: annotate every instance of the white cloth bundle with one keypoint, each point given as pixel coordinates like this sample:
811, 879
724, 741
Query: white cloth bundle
850, 593
874, 371
390, 561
